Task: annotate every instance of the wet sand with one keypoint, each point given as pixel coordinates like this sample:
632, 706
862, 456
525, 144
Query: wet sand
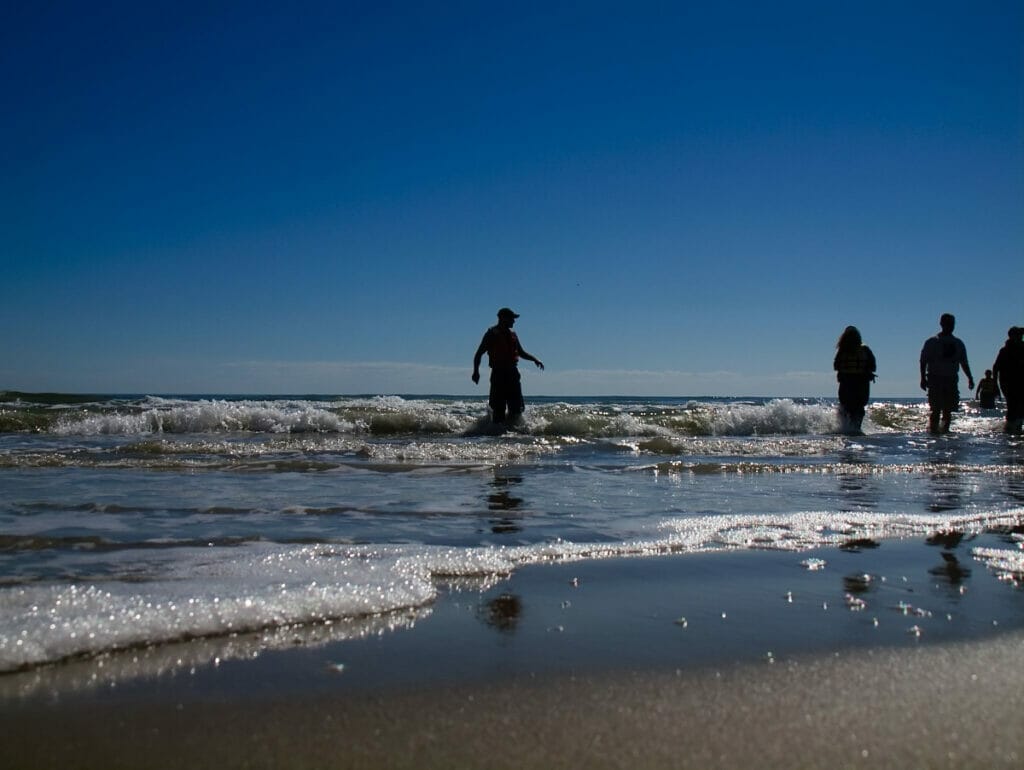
944, 706
719, 660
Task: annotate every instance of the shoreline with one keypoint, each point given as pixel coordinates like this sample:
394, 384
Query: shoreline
951, 706
704, 660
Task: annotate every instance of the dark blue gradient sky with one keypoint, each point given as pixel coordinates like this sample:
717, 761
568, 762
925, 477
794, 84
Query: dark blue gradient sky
680, 198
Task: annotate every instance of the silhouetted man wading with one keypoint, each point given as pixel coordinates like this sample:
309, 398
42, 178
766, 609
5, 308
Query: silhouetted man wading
942, 357
503, 353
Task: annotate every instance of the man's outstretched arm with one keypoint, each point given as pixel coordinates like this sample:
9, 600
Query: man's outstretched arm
477, 358
524, 355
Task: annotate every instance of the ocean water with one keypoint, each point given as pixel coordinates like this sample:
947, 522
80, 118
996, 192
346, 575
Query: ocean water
127, 522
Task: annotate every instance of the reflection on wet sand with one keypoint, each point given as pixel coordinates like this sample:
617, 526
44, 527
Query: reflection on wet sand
857, 584
946, 490
858, 491
501, 499
502, 613
950, 572
1012, 456
859, 544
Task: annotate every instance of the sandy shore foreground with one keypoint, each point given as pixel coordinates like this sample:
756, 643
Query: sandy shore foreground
943, 706
906, 654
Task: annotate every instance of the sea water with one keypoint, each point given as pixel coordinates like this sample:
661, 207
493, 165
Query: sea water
126, 522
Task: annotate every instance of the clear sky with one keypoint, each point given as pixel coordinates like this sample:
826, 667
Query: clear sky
680, 198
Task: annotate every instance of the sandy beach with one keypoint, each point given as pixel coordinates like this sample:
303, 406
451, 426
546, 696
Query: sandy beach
943, 706
533, 385
904, 653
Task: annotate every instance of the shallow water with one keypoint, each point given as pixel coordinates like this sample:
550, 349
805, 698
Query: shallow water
129, 521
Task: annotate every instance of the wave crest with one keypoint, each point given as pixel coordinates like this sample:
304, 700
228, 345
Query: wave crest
438, 416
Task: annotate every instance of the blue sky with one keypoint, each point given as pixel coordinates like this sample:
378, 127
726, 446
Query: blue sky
679, 198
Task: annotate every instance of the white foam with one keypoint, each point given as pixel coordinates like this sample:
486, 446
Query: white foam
158, 660
455, 452
395, 415
207, 592
804, 531
208, 416
771, 446
1006, 563
777, 416
221, 591
390, 415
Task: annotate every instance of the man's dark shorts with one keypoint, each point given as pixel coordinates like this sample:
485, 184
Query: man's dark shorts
943, 394
506, 394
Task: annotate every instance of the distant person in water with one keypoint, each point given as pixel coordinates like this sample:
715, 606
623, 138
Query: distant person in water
1009, 368
503, 353
855, 369
987, 391
942, 357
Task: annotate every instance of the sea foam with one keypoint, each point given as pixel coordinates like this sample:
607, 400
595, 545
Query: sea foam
255, 587
205, 417
394, 416
218, 591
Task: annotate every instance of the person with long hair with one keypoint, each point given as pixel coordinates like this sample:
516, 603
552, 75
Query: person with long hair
855, 369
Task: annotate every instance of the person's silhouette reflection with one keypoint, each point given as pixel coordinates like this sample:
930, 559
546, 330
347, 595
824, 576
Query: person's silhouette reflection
858, 490
502, 613
501, 499
947, 486
950, 571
